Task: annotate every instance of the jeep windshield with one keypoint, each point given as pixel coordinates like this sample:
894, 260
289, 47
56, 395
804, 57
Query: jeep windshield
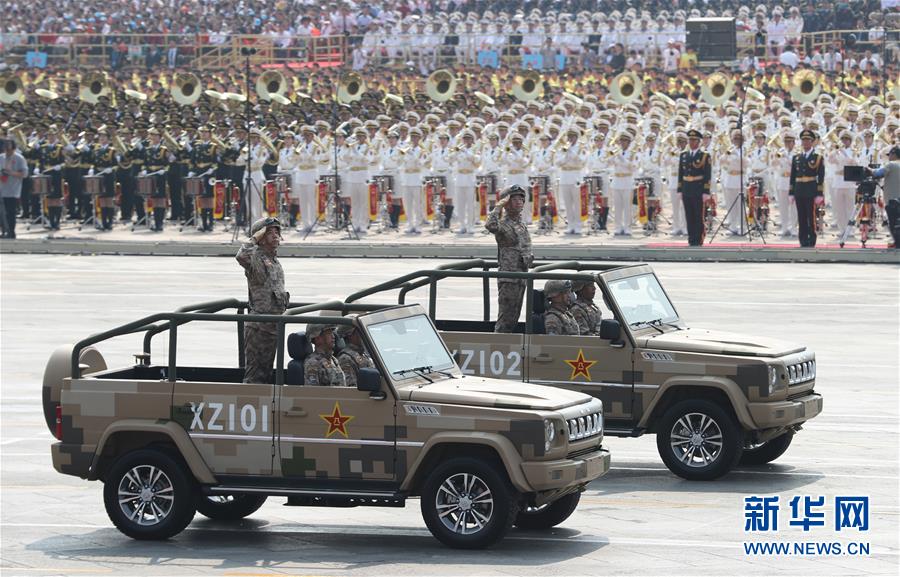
410, 347
642, 301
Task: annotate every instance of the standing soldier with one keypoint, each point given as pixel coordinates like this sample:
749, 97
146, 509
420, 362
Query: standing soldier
125, 173
321, 368
806, 187
694, 173
390, 159
353, 356
73, 175
843, 193
156, 159
465, 161
730, 176
441, 158
621, 184
584, 311
781, 169
514, 255
266, 296
104, 163
413, 161
203, 164
308, 157
557, 318
255, 181
52, 161
177, 170
516, 162
570, 159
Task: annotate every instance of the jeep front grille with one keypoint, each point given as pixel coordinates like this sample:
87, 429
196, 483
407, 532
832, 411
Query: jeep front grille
801, 372
585, 427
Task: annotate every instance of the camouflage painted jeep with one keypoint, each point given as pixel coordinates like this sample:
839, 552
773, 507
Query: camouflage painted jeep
170, 439
713, 399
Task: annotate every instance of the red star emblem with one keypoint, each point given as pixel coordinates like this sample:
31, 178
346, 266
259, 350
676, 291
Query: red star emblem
337, 423
580, 366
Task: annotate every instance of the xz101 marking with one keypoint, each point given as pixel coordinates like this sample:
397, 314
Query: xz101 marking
246, 417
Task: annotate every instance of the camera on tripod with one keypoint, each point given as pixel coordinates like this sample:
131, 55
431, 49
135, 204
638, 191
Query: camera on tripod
865, 183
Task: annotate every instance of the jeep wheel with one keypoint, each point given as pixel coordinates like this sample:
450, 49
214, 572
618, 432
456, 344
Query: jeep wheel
229, 507
768, 451
698, 440
148, 495
467, 504
549, 515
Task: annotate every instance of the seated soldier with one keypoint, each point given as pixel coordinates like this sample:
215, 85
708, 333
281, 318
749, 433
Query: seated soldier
585, 312
353, 356
557, 319
321, 368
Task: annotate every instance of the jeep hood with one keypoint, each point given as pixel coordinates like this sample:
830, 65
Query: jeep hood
718, 343
498, 393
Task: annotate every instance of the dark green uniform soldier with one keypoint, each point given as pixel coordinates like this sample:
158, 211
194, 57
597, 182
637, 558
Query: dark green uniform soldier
514, 254
204, 159
155, 163
806, 187
104, 161
694, 176
52, 163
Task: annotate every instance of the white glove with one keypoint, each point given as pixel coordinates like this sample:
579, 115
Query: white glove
57, 167
91, 171
190, 174
36, 171
142, 173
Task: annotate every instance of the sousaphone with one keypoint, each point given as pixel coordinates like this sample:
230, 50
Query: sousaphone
93, 85
350, 88
11, 89
186, 89
441, 85
626, 88
270, 82
805, 86
528, 85
716, 89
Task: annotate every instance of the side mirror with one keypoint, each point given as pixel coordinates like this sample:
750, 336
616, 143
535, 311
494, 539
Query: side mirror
369, 380
610, 330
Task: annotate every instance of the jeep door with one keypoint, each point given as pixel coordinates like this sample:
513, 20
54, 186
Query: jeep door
335, 433
231, 424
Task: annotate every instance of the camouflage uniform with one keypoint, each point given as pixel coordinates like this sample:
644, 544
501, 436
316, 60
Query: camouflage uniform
558, 321
351, 359
587, 315
265, 287
323, 369
514, 248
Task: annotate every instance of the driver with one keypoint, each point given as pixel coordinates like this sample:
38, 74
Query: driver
321, 368
584, 311
353, 356
557, 319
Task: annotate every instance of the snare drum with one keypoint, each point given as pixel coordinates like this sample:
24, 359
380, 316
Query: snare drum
145, 186
41, 184
282, 182
490, 182
648, 183
759, 183
193, 186
437, 180
538, 187
595, 185
93, 184
384, 182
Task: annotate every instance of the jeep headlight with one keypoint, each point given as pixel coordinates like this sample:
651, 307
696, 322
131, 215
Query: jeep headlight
773, 380
549, 434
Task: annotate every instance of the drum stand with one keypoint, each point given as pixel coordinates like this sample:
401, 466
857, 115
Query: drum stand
192, 219
334, 202
40, 220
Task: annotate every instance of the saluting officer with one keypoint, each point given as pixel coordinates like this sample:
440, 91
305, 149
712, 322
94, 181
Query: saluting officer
514, 255
694, 174
806, 188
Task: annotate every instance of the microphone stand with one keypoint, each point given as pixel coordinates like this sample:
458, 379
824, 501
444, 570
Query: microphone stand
243, 211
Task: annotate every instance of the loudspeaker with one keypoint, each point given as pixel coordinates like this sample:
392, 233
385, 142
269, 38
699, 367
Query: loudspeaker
712, 38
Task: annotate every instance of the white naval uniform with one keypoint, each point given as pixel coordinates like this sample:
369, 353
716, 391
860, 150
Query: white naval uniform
571, 169
670, 162
465, 163
359, 160
255, 181
730, 167
843, 194
781, 183
515, 171
412, 165
308, 162
287, 164
650, 166
623, 167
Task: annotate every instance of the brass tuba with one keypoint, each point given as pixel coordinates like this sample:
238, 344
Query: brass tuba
441, 85
528, 85
350, 88
93, 85
716, 89
11, 89
805, 86
270, 82
185, 89
626, 87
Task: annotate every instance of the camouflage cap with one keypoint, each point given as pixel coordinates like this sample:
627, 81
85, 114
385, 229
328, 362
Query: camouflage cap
264, 223
514, 190
555, 287
314, 330
345, 330
577, 285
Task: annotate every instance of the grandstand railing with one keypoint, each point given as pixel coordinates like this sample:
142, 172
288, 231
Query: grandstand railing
210, 51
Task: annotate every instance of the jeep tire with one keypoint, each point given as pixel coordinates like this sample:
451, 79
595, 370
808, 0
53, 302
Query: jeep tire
229, 507
549, 515
148, 495
467, 504
768, 451
698, 440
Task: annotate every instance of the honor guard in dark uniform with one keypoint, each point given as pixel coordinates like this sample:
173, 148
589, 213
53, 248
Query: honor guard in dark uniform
86, 159
129, 164
204, 159
104, 161
52, 163
806, 187
31, 203
694, 175
156, 163
178, 169
72, 174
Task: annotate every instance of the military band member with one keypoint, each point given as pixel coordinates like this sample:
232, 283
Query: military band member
806, 187
730, 164
624, 164
557, 318
180, 160
266, 296
441, 159
288, 160
155, 164
694, 175
843, 193
103, 162
72, 175
671, 162
255, 181
781, 170
570, 160
308, 157
413, 163
516, 161
390, 161
465, 163
321, 368
129, 165
204, 157
236, 168
52, 163
353, 356
514, 255
585, 312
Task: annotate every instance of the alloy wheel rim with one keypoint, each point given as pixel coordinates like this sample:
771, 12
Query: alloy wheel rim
696, 440
464, 503
146, 495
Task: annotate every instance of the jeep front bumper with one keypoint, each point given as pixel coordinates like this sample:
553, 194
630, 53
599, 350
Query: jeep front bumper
786, 413
563, 473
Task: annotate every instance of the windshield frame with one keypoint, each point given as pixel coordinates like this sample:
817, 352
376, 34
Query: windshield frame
636, 272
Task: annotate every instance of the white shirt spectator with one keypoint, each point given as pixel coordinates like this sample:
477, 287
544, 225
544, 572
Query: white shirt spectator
670, 58
789, 58
776, 31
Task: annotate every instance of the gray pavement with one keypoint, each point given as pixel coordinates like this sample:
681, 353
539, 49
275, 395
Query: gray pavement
638, 520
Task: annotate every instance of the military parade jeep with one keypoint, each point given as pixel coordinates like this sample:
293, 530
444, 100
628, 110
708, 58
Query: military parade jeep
713, 399
170, 439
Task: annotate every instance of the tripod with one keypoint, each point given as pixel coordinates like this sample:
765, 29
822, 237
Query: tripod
864, 214
243, 209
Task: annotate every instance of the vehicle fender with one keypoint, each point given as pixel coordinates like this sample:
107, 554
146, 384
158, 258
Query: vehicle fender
727, 386
504, 448
170, 429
